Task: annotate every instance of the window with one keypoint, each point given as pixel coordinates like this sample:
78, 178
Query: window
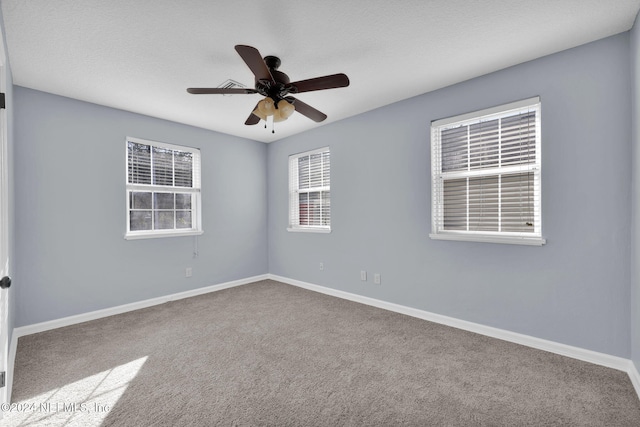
309, 191
163, 190
486, 175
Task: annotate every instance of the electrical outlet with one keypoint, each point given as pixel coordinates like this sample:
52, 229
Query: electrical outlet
363, 275
321, 266
188, 272
376, 278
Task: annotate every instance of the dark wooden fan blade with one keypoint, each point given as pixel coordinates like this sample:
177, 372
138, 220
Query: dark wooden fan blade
307, 110
254, 61
252, 119
219, 91
320, 83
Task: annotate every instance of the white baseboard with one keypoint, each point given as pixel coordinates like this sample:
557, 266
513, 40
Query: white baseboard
98, 314
590, 356
634, 375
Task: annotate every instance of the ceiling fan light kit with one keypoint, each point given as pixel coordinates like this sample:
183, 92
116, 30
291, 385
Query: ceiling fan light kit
265, 108
284, 111
276, 88
280, 111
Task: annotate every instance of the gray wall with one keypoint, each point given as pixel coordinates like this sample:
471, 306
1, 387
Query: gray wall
635, 212
574, 290
70, 199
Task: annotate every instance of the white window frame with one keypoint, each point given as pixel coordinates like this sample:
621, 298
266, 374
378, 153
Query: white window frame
195, 190
438, 177
294, 191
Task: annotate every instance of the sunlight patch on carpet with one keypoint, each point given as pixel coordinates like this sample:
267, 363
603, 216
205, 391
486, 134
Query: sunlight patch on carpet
86, 402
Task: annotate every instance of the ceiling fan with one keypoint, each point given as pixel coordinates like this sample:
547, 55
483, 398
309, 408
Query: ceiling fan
276, 88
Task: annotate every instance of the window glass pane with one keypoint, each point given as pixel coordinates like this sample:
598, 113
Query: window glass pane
517, 203
303, 206
315, 170
483, 203
455, 204
484, 144
454, 148
139, 200
303, 172
519, 139
163, 220
138, 163
326, 208
315, 208
326, 169
183, 169
162, 166
183, 219
139, 220
183, 201
163, 201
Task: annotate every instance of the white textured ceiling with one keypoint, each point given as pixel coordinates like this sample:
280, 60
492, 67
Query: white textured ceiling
141, 55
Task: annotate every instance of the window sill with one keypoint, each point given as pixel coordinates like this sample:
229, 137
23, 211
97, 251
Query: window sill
308, 230
511, 240
155, 235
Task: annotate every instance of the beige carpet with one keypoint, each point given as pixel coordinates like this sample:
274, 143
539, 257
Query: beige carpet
272, 354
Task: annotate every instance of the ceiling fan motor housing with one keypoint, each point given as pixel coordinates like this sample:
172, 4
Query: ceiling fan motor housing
279, 88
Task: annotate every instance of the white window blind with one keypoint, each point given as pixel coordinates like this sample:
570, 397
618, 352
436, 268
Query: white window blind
163, 189
486, 175
310, 191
